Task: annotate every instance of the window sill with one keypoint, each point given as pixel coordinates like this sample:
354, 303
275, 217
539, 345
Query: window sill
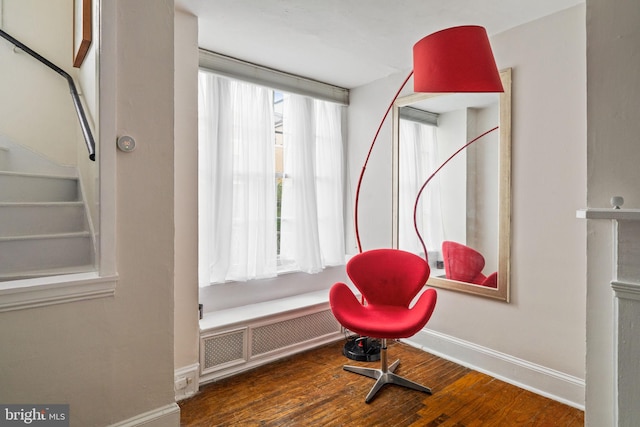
287, 267
258, 311
41, 292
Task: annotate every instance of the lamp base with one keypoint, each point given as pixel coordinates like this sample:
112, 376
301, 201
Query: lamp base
362, 349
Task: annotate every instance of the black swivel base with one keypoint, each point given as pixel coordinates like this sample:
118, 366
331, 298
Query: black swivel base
362, 349
385, 375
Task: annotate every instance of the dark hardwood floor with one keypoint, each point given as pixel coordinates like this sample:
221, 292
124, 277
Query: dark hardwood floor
312, 389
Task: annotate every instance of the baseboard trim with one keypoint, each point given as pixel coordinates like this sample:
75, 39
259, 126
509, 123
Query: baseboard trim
186, 381
168, 415
539, 379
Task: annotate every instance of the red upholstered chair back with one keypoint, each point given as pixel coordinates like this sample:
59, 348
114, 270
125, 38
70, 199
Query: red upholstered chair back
462, 263
388, 276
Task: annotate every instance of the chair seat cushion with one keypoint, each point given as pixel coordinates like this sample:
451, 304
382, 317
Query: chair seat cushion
380, 321
385, 322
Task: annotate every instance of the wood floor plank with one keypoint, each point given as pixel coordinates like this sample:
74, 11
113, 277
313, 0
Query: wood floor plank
312, 389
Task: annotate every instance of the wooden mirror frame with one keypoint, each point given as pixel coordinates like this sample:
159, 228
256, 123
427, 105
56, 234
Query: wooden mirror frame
502, 292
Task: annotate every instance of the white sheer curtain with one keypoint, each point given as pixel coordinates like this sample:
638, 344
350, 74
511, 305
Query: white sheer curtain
312, 227
418, 160
237, 170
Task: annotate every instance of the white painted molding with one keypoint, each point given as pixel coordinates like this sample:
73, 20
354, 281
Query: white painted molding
626, 290
168, 415
30, 293
539, 379
601, 213
186, 381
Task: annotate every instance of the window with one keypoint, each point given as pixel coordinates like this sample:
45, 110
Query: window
278, 101
252, 226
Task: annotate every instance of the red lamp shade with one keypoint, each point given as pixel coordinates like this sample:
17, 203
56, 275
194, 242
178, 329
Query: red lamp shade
457, 59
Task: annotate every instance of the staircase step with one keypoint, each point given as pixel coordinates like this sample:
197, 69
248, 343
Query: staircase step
23, 219
43, 252
30, 187
43, 223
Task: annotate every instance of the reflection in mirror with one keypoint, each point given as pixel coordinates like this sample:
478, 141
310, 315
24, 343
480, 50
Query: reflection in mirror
463, 214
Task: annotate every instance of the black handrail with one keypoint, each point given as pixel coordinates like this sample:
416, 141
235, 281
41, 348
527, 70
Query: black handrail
84, 124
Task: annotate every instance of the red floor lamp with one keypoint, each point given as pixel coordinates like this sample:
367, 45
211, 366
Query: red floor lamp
457, 59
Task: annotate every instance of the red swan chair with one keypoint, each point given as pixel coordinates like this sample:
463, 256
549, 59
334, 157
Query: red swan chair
465, 264
388, 279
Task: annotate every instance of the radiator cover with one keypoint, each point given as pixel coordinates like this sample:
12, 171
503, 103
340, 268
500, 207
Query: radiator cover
239, 347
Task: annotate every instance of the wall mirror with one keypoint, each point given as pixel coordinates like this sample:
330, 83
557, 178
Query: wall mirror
464, 213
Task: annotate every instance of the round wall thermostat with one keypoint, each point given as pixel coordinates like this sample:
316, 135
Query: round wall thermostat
126, 143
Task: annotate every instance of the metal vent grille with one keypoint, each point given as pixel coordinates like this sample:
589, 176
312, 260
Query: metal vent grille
293, 331
224, 349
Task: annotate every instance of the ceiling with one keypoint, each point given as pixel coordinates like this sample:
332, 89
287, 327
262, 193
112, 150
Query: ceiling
347, 43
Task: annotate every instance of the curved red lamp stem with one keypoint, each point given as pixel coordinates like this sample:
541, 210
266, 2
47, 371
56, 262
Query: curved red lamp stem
415, 206
367, 160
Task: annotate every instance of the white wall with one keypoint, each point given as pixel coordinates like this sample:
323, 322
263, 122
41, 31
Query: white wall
111, 359
186, 191
367, 105
451, 134
545, 322
549, 173
482, 223
36, 109
613, 47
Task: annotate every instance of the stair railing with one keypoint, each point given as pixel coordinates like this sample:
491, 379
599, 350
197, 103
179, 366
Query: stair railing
84, 123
